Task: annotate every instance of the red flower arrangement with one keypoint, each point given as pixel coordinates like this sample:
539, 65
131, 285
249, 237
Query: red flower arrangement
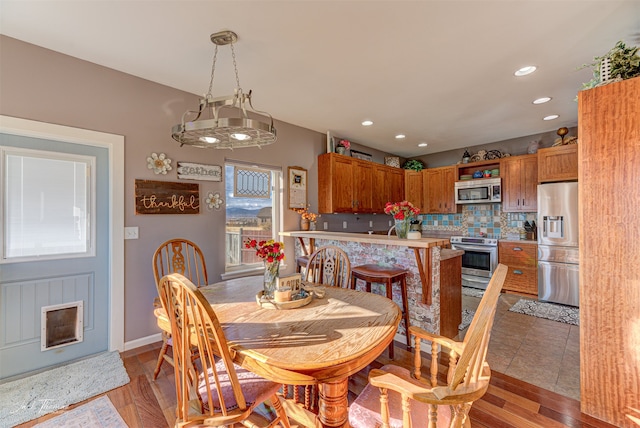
344, 143
270, 251
404, 210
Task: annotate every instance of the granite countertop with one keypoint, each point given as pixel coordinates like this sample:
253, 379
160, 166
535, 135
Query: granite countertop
370, 239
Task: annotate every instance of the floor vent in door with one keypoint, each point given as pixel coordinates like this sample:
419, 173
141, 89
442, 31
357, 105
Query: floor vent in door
61, 325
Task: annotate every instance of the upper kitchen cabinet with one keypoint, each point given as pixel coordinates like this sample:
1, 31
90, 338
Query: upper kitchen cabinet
388, 186
348, 185
335, 184
519, 183
558, 163
362, 186
438, 190
413, 188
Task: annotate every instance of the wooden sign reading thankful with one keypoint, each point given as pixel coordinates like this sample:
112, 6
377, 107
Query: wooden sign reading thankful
163, 197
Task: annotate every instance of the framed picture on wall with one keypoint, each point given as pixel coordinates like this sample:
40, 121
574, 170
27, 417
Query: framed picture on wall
297, 178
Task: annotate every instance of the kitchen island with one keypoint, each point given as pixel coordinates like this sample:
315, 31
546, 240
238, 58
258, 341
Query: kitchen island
420, 257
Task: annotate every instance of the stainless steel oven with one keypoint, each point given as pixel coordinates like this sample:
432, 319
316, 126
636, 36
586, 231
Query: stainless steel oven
479, 260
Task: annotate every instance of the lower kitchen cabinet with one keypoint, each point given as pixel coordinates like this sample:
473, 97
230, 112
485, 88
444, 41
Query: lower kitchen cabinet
522, 261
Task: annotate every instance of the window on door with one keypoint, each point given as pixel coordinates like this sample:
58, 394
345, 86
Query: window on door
47, 205
253, 211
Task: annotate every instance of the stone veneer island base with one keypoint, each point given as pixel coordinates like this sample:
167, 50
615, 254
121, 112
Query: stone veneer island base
434, 302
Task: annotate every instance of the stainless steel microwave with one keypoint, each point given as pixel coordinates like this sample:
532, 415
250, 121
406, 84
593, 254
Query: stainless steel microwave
485, 190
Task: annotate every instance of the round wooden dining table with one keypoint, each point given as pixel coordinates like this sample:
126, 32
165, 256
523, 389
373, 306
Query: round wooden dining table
322, 343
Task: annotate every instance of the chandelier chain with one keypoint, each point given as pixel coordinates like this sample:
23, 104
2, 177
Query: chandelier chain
235, 66
213, 70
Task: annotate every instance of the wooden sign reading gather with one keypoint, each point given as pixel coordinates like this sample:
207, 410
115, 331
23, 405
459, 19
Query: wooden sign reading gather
162, 197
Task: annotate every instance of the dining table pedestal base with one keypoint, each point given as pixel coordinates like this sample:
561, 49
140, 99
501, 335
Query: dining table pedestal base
334, 403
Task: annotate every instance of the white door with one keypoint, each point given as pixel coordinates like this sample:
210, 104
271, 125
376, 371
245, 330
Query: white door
28, 283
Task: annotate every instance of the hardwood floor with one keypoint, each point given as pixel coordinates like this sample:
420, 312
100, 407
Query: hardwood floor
509, 402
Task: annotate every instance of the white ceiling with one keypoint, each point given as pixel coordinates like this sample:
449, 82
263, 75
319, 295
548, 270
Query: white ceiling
440, 72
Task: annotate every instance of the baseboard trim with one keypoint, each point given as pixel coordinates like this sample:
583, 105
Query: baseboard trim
133, 344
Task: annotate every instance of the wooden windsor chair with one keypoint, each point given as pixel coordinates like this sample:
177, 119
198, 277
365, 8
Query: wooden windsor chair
211, 390
175, 256
396, 397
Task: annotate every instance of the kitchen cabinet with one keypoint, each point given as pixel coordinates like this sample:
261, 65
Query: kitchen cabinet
413, 188
558, 163
522, 260
388, 186
609, 204
348, 185
519, 183
438, 190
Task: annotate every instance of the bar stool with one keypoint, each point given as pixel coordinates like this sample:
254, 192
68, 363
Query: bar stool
387, 276
301, 262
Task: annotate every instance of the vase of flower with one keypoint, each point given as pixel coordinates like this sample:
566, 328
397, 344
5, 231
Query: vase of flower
402, 228
271, 252
305, 224
343, 146
402, 212
271, 274
306, 218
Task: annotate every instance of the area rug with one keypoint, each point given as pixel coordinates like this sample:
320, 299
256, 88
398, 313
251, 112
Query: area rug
473, 292
40, 394
550, 311
467, 317
96, 413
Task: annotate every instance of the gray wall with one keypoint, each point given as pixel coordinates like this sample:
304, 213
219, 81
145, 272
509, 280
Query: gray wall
46, 86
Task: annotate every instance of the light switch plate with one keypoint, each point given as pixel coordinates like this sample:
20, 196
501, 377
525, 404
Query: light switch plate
131, 232
344, 224
325, 225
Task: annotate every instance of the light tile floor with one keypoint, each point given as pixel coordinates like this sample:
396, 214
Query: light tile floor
536, 350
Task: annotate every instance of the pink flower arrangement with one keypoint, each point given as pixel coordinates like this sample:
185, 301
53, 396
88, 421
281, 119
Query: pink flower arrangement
401, 210
344, 143
270, 251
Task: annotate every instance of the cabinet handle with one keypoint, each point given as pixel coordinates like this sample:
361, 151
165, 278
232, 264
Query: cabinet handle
517, 272
517, 249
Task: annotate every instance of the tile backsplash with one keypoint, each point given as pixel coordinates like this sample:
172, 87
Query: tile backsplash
478, 220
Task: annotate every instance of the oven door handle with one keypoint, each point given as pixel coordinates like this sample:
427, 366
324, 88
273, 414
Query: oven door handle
486, 249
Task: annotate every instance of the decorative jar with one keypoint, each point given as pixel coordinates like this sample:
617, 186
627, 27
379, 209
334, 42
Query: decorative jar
271, 274
305, 224
340, 150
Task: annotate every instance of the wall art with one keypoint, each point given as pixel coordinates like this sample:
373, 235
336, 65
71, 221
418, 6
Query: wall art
197, 171
164, 197
159, 163
297, 187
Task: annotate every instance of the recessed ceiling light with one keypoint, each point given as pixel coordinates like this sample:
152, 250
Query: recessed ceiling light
367, 122
542, 100
423, 145
400, 136
551, 117
525, 70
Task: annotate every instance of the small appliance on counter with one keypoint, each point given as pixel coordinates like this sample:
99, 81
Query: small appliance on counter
558, 257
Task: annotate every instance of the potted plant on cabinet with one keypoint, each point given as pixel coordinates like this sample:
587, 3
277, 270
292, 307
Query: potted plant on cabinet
620, 63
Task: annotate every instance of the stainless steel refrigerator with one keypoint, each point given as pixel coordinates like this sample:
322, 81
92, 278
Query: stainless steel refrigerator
558, 258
